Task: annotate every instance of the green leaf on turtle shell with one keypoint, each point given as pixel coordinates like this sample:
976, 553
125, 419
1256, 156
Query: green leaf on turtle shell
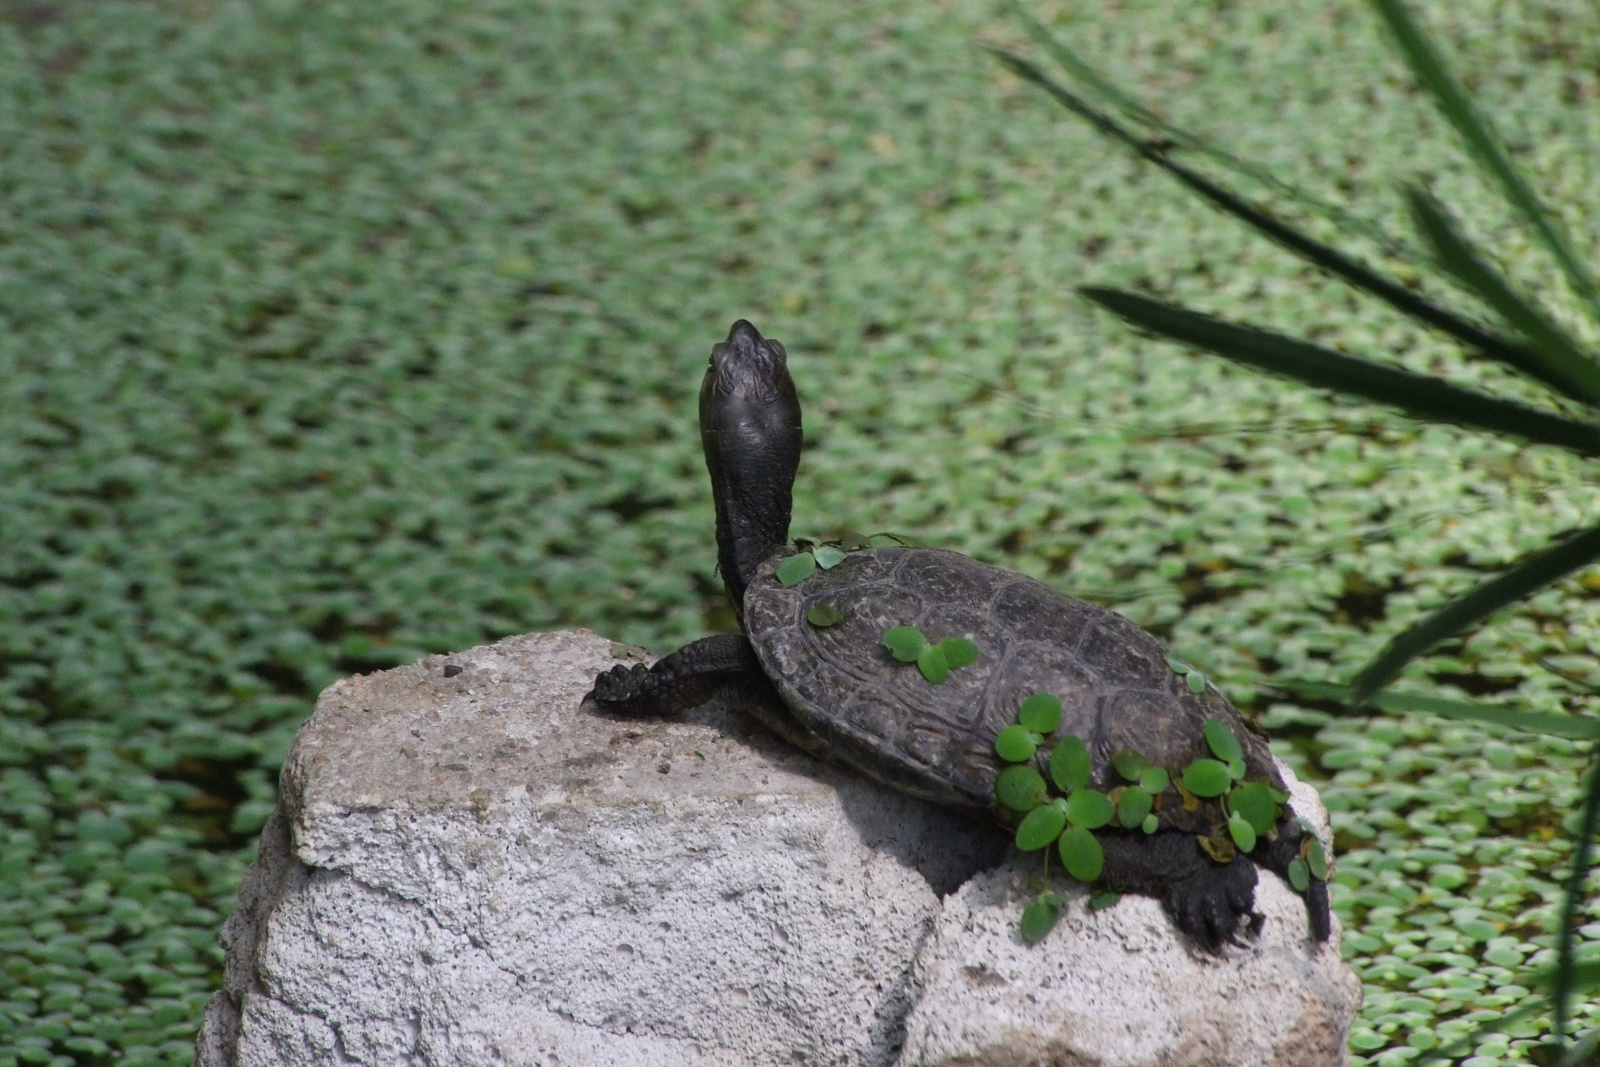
1196, 682
1299, 875
930, 661
1207, 778
1177, 665
1040, 713
1317, 860
905, 642
1222, 740
1069, 764
823, 615
1130, 764
1090, 809
796, 569
1016, 744
1103, 900
1155, 780
1253, 802
1133, 806
1150, 825
1243, 834
1081, 854
1020, 788
1236, 769
959, 652
1041, 827
828, 556
1039, 918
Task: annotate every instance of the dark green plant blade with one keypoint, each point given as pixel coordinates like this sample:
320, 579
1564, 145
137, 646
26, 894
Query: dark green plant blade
1108, 92
1526, 577
1567, 978
1452, 100
1416, 394
1328, 258
1533, 722
1565, 362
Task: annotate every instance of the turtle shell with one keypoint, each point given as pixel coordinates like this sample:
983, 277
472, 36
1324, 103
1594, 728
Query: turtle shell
937, 741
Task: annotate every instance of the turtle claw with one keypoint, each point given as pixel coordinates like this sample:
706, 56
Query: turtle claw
1215, 904
622, 684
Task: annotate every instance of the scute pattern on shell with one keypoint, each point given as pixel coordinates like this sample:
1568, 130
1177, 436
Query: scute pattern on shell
936, 741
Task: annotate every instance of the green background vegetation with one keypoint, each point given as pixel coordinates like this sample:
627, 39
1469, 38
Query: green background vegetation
333, 333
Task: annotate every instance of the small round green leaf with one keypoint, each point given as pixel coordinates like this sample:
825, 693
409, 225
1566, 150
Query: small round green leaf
930, 661
1069, 764
1252, 801
905, 643
959, 652
1155, 780
1236, 769
1299, 875
1222, 741
1039, 918
1133, 806
828, 556
1177, 665
1195, 681
1150, 825
1041, 827
1090, 809
1317, 860
1243, 834
796, 569
1103, 900
1020, 788
1130, 764
1040, 713
1206, 778
1081, 854
1016, 744
823, 615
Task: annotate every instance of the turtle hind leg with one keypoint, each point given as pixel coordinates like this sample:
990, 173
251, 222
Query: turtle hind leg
1212, 903
1277, 854
698, 672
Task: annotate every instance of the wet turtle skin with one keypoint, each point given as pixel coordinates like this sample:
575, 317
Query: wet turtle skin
937, 741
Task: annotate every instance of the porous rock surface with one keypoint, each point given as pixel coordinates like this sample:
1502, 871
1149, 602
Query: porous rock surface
469, 869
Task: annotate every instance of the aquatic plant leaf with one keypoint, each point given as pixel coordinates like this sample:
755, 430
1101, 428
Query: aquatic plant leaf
905, 643
960, 652
1150, 825
1090, 809
1299, 875
1195, 681
1040, 827
796, 569
828, 556
1243, 834
1104, 899
1040, 713
1317, 860
1039, 918
1130, 764
1069, 764
1207, 778
1155, 780
1016, 743
1081, 854
1222, 740
1253, 802
930, 661
823, 615
1020, 788
1133, 806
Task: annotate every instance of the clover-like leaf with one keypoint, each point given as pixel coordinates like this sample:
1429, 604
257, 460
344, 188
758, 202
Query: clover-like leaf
1040, 713
823, 615
905, 643
1155, 780
1104, 899
1041, 827
1016, 743
1081, 854
1223, 741
828, 556
1069, 764
930, 661
1133, 806
1252, 801
796, 569
1236, 769
959, 652
1020, 788
1150, 825
1195, 681
1299, 875
1130, 764
1316, 859
1207, 778
1090, 809
1243, 834
1039, 918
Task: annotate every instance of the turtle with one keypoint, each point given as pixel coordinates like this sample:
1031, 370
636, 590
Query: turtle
838, 692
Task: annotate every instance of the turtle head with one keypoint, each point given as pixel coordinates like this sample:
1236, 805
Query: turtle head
750, 427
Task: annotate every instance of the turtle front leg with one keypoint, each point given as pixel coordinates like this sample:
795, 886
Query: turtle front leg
722, 668
1211, 902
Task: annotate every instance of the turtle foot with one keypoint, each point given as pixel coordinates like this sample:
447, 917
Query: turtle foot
1215, 904
622, 684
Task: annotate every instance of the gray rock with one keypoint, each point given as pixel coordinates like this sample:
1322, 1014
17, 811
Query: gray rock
470, 870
